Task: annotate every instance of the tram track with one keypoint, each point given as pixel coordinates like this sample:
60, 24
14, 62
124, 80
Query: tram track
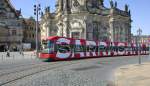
10, 77
21, 73
18, 68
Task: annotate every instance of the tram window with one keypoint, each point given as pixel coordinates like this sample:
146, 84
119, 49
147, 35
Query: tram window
139, 48
87, 48
63, 48
134, 48
96, 48
108, 48
49, 47
50, 44
79, 48
44, 42
144, 48
121, 48
102, 48
147, 49
129, 48
115, 48
91, 48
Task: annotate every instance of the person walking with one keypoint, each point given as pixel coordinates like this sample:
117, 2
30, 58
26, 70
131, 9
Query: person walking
21, 52
7, 53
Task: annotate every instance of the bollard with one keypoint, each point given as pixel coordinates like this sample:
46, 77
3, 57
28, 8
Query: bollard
23, 56
13, 57
2, 57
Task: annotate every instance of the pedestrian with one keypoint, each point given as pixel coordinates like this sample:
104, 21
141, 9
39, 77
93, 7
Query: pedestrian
8, 53
20, 51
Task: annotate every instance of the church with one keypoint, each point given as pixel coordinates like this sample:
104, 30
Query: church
87, 19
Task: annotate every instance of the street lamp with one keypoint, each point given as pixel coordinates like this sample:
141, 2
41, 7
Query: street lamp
139, 32
37, 12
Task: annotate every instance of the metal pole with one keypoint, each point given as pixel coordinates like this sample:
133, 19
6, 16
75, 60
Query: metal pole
139, 31
149, 48
149, 45
37, 9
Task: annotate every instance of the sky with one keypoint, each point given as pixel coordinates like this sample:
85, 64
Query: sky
140, 11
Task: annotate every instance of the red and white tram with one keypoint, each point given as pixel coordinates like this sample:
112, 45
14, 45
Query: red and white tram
61, 48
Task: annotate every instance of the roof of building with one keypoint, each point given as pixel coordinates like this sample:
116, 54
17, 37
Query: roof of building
17, 12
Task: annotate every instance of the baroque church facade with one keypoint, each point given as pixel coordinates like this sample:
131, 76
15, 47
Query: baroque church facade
11, 26
87, 19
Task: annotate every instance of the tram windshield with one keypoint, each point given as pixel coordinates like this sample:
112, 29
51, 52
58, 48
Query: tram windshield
49, 47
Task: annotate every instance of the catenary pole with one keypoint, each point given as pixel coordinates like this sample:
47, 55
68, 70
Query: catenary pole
37, 9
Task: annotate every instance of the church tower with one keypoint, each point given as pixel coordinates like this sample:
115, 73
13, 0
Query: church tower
63, 6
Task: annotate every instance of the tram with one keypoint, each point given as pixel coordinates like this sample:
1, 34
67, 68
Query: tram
61, 48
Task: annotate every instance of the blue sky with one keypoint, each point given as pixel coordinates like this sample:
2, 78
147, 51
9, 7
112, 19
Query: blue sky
140, 11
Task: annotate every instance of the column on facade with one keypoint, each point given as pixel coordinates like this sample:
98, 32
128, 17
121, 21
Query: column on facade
112, 31
89, 30
129, 33
117, 32
95, 31
64, 27
126, 34
60, 29
48, 29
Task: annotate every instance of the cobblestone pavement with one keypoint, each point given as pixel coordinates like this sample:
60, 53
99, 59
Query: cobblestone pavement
88, 72
16, 59
133, 75
74, 75
16, 56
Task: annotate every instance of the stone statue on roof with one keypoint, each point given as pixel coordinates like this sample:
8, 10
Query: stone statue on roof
58, 6
102, 2
126, 7
111, 4
115, 4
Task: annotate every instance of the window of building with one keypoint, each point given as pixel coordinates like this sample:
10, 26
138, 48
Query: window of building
33, 35
14, 32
